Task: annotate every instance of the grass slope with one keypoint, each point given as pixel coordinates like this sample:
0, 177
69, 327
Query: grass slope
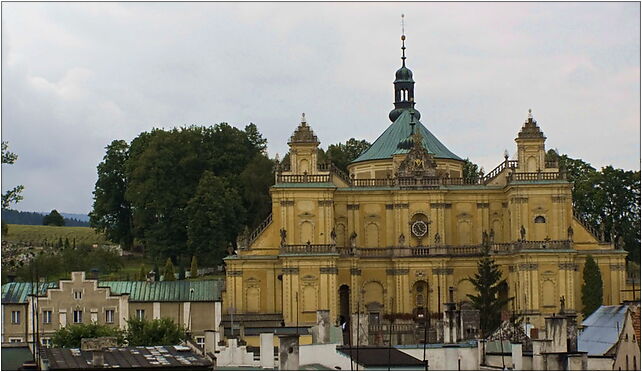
37, 234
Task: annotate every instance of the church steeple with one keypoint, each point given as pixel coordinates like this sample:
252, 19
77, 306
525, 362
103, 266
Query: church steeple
404, 84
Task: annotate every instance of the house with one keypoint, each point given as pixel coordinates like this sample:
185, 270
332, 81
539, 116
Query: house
609, 338
196, 305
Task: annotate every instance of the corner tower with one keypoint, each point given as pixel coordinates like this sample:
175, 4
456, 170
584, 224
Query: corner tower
304, 146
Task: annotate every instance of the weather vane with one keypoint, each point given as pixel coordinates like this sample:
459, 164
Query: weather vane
403, 32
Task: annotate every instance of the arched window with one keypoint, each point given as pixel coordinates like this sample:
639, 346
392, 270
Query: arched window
540, 219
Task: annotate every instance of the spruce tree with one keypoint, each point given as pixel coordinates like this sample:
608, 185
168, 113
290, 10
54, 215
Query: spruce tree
592, 287
181, 270
169, 271
142, 275
193, 270
156, 272
488, 282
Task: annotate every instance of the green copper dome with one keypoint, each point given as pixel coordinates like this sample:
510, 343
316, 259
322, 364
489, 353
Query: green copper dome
386, 145
403, 75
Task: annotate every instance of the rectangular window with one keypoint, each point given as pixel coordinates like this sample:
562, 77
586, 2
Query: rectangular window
200, 341
109, 316
77, 295
140, 314
46, 342
46, 317
77, 316
15, 317
15, 340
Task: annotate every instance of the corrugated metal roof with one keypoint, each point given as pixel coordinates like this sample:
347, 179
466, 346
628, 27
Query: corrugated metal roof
128, 358
17, 292
602, 329
172, 291
386, 145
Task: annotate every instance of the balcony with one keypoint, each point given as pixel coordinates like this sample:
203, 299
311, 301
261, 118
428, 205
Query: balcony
454, 250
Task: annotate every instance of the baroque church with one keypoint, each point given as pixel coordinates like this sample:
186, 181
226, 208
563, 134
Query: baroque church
403, 230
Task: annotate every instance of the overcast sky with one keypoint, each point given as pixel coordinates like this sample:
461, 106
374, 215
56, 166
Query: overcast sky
78, 75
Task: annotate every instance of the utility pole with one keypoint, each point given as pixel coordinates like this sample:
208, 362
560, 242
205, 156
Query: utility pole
426, 315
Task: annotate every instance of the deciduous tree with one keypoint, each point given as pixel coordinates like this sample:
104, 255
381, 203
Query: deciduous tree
155, 332
112, 212
342, 154
215, 217
470, 171
54, 219
13, 195
70, 336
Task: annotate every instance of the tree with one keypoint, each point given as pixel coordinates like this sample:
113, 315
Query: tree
13, 195
112, 212
193, 270
343, 154
54, 219
169, 273
155, 332
488, 283
215, 217
142, 274
156, 272
607, 199
256, 138
592, 287
181, 270
470, 171
70, 336
255, 182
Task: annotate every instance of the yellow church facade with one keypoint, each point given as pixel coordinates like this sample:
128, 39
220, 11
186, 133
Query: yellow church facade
403, 230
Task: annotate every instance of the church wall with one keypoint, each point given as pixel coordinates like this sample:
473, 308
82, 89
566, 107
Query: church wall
383, 168
265, 279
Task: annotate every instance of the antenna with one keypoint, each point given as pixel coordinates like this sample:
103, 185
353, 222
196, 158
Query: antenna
403, 41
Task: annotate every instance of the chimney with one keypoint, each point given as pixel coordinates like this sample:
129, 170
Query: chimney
210, 341
97, 346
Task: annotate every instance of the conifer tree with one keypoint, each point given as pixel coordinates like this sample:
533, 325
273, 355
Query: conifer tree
488, 282
592, 294
169, 271
181, 270
193, 270
156, 272
142, 275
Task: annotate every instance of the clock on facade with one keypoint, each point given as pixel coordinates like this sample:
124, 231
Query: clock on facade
419, 228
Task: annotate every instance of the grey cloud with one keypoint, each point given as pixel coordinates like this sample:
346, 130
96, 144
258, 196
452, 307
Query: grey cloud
78, 75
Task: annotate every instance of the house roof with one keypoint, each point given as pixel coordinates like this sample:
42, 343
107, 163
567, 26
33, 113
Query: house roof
14, 356
602, 329
168, 291
386, 145
139, 291
17, 292
380, 356
129, 358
